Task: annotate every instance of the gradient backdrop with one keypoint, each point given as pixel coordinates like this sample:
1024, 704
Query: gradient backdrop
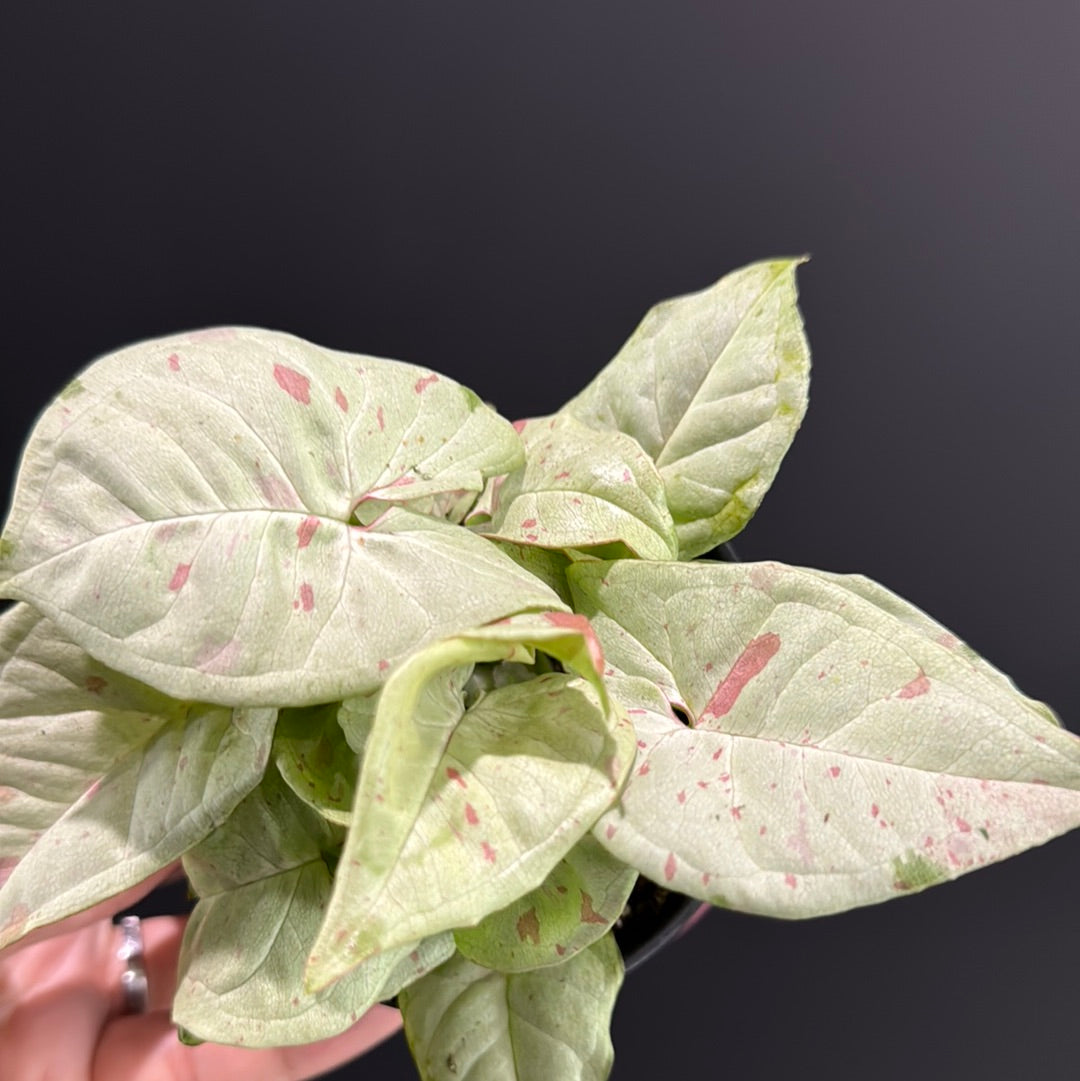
499, 191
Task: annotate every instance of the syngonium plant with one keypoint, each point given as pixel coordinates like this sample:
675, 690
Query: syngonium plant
417, 694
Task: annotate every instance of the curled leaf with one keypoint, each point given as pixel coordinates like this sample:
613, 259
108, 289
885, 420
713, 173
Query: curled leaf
458, 812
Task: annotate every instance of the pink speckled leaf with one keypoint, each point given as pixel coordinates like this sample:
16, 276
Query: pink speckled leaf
713, 386
151, 806
467, 1023
844, 748
458, 812
191, 512
578, 489
263, 883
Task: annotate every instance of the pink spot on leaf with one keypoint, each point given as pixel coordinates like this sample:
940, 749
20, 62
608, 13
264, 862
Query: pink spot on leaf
834, 771
790, 881
470, 814
580, 624
918, 686
425, 382
681, 796
307, 596
670, 866
180, 576
342, 401
528, 523
174, 362
750, 663
489, 852
456, 777
305, 531
875, 810
276, 491
609, 832
293, 383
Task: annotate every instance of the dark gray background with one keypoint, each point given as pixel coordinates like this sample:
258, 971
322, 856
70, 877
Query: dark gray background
500, 190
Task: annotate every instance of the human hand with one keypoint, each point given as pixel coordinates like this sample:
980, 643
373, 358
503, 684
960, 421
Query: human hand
63, 1011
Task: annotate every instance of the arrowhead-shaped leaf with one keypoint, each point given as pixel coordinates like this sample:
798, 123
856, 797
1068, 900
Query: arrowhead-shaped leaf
576, 905
578, 489
264, 884
151, 806
713, 386
467, 1023
844, 748
459, 812
186, 512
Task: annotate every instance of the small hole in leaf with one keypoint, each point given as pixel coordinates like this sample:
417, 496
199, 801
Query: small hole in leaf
681, 715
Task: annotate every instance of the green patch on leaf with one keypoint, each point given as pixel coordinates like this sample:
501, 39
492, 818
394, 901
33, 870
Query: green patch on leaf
915, 872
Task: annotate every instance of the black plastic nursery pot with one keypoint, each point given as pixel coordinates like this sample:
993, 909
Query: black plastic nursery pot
653, 917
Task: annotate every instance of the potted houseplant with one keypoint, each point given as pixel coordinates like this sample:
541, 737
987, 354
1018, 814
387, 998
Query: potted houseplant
418, 695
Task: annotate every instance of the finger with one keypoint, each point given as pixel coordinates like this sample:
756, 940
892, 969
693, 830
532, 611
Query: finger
146, 1048
103, 911
88, 959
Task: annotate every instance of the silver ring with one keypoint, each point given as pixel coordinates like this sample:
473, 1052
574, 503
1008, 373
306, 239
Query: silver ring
133, 978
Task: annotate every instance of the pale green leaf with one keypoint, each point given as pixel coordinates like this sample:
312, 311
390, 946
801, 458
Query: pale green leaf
547, 565
328, 624
190, 517
576, 904
265, 884
713, 386
316, 761
65, 720
467, 1023
459, 812
844, 748
152, 805
579, 489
